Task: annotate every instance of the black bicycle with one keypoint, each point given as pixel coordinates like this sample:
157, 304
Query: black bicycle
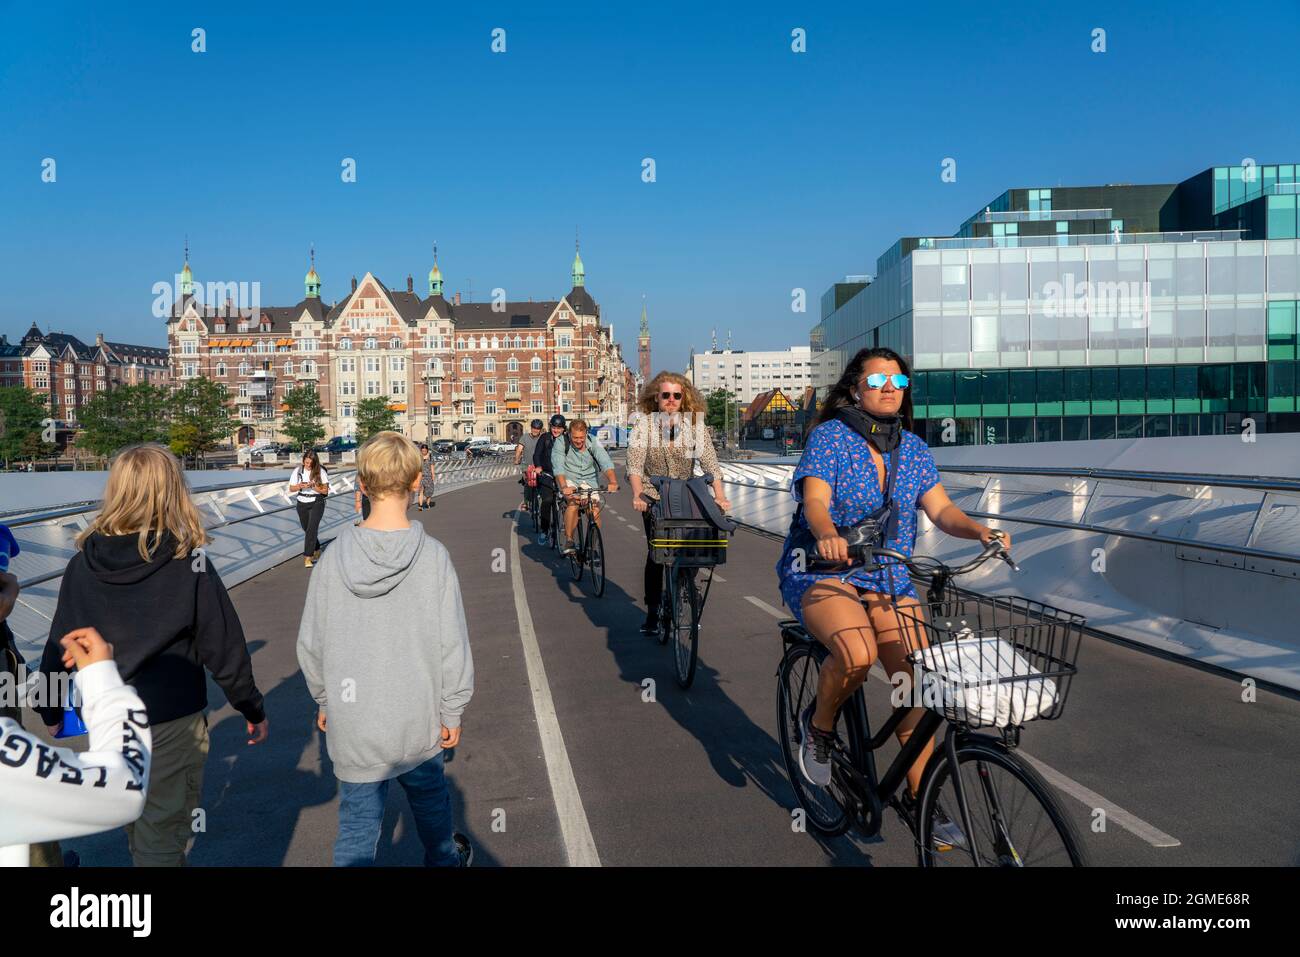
688, 550
533, 503
589, 546
978, 662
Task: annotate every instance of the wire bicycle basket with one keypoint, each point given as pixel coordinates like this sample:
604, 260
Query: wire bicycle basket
991, 660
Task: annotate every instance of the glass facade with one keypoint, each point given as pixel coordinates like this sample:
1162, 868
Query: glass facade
1181, 335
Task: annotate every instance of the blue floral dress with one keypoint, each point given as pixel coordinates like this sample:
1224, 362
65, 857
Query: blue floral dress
839, 456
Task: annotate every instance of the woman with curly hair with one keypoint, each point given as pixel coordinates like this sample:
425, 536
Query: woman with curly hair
668, 439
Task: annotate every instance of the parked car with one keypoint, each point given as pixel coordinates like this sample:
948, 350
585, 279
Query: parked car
462, 445
442, 446
503, 447
339, 444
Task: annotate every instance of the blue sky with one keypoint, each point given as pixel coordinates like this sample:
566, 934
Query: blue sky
775, 170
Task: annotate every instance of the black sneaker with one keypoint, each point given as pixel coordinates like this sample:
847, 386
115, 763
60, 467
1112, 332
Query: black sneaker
945, 833
464, 849
815, 750
651, 625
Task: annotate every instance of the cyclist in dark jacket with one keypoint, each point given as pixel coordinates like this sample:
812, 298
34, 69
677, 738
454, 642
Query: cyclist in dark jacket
546, 481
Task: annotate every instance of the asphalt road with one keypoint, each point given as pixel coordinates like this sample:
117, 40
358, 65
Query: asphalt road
629, 769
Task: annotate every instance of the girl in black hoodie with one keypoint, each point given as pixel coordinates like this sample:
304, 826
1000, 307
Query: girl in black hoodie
141, 578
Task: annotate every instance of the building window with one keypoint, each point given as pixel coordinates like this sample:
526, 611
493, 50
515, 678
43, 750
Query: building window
345, 410
243, 390
536, 364
537, 406
489, 364
467, 364
221, 368
372, 387
345, 345
348, 365
467, 408
467, 387
490, 407
564, 340
347, 388
372, 343
398, 387
372, 363
490, 386
566, 362
397, 364
394, 343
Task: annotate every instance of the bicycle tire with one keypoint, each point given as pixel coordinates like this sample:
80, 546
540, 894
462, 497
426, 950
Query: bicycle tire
665, 617
796, 687
557, 522
596, 558
576, 557
988, 832
685, 608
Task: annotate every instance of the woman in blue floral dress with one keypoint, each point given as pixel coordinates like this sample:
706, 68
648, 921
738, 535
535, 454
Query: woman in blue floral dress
840, 481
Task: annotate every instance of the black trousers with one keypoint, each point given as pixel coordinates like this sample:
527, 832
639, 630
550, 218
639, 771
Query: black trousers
546, 493
309, 515
654, 573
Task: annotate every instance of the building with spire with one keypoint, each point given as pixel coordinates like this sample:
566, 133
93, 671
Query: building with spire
643, 346
448, 368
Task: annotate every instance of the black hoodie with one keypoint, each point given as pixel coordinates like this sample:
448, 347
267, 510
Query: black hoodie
165, 620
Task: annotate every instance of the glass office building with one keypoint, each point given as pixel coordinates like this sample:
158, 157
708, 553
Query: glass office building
1092, 312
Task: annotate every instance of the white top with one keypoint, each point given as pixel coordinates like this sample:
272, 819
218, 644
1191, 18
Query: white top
48, 793
309, 494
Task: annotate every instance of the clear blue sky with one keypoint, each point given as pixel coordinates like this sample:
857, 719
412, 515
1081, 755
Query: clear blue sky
775, 170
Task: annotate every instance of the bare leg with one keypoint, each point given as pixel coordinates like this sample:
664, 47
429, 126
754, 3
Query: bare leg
833, 613
888, 628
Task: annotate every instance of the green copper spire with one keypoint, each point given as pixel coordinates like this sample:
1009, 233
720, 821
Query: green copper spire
578, 273
435, 275
312, 281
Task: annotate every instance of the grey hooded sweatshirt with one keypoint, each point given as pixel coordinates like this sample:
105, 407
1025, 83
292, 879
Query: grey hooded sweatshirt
384, 649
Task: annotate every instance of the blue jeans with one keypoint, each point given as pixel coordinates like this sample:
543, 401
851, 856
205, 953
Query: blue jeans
361, 815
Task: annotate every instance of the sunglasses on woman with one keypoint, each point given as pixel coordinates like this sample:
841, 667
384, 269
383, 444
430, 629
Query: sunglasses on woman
671, 395
877, 380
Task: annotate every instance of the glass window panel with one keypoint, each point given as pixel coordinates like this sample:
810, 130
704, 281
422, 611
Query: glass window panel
1074, 428
1133, 383
1020, 430
1189, 326
968, 388
1051, 385
1216, 382
1250, 323
1189, 270
1281, 217
1102, 426
1281, 380
1047, 429
1128, 427
1286, 174
940, 388
954, 282
1221, 269
1184, 424
1105, 384
1013, 334
1160, 331
1160, 382
927, 289
1022, 386
995, 431
1160, 272
1250, 269
1270, 178
1187, 382
1078, 387
1222, 333
1013, 276
995, 388
956, 336
1220, 188
1283, 274
1236, 186
984, 333
984, 275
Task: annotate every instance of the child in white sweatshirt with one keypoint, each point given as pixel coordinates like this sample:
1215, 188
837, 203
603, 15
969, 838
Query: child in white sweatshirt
48, 793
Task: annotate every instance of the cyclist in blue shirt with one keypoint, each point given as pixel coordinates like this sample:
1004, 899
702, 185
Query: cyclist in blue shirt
840, 482
577, 461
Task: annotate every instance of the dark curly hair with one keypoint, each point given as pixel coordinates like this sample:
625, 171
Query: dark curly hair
841, 394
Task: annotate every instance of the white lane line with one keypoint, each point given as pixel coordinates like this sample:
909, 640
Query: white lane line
1088, 798
579, 845
1092, 800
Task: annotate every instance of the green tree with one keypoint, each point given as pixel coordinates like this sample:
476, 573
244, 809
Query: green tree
22, 414
200, 417
717, 416
124, 416
302, 415
374, 415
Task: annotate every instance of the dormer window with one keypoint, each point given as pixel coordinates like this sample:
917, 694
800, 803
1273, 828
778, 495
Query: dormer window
220, 327
394, 343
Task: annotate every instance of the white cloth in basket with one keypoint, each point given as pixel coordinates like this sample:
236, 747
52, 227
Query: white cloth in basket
960, 677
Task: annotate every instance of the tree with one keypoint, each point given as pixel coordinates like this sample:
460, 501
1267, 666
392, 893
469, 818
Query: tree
302, 415
717, 417
23, 413
200, 418
124, 416
374, 415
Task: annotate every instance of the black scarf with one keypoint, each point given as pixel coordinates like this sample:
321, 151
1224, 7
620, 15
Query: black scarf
884, 433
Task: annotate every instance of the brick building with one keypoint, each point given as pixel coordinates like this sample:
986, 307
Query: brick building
448, 368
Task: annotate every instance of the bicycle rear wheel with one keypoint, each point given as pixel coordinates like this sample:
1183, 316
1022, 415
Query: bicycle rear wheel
1015, 817
557, 522
684, 607
596, 558
533, 517
796, 690
665, 616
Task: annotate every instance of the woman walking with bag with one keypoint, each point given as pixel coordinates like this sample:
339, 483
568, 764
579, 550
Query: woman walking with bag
310, 484
667, 440
426, 478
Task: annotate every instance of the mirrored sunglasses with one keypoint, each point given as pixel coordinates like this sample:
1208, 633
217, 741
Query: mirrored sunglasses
877, 380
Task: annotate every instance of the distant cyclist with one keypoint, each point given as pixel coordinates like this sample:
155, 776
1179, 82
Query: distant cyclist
840, 482
577, 461
546, 480
524, 454
666, 442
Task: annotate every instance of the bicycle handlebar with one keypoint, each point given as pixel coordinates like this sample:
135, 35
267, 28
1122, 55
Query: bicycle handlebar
920, 565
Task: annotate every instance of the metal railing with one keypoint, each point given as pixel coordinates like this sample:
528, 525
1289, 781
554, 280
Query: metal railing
1017, 241
746, 478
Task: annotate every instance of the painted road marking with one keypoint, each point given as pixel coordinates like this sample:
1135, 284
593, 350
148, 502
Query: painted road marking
579, 845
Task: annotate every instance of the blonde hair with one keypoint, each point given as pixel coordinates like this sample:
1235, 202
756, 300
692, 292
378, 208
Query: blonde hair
691, 401
147, 494
579, 425
388, 464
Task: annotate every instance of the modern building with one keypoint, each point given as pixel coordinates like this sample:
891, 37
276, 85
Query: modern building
447, 368
1092, 312
750, 374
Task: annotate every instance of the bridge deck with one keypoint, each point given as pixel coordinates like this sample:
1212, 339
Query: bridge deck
696, 777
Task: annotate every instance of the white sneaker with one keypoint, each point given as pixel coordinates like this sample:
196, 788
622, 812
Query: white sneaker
815, 750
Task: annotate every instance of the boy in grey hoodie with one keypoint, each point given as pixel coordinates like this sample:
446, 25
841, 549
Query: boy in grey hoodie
385, 652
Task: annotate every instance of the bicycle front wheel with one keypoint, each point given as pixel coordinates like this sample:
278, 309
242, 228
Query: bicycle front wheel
684, 608
576, 556
596, 558
1014, 815
796, 690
